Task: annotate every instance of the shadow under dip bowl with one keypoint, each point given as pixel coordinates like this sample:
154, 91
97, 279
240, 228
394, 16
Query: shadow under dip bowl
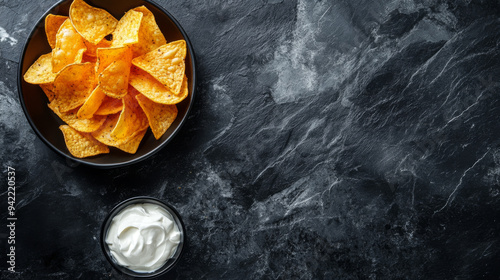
169, 263
46, 124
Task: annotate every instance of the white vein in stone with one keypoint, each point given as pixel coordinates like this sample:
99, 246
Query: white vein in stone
6, 37
450, 198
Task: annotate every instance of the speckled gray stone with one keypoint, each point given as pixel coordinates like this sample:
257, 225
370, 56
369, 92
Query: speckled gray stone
328, 140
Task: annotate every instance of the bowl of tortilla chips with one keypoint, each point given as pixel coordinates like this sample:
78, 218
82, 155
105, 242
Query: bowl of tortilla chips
107, 83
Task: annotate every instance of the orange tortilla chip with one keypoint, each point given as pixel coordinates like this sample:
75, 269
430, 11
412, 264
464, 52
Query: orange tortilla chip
109, 106
114, 79
82, 125
150, 36
92, 23
110, 80
154, 90
91, 104
127, 29
92, 49
41, 71
73, 85
69, 47
160, 116
82, 145
166, 64
52, 24
48, 89
103, 134
90, 59
106, 56
131, 145
132, 118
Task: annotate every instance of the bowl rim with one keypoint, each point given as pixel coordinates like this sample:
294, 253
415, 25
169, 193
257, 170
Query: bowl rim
139, 200
107, 165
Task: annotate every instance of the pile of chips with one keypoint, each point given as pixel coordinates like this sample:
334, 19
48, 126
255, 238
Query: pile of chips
110, 80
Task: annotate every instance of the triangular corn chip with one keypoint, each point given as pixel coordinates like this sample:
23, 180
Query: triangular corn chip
154, 90
109, 106
40, 72
127, 30
131, 145
82, 125
114, 79
132, 118
150, 36
52, 25
92, 23
92, 104
92, 49
106, 56
69, 47
82, 145
48, 89
103, 134
73, 85
166, 64
160, 116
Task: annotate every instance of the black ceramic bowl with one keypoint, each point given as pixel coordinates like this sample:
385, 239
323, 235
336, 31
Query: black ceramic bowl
139, 200
46, 124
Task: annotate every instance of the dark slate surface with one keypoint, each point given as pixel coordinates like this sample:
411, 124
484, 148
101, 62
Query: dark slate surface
329, 140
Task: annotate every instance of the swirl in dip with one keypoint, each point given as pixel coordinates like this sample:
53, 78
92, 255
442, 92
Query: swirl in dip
142, 237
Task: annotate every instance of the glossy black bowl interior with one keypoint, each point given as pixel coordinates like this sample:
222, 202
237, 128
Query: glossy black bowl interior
139, 200
46, 124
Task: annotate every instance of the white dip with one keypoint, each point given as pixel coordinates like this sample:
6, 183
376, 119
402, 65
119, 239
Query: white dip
142, 237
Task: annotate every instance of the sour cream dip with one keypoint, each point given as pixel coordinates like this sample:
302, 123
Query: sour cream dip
142, 237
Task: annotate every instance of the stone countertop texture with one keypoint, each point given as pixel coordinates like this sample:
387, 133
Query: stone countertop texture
328, 140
